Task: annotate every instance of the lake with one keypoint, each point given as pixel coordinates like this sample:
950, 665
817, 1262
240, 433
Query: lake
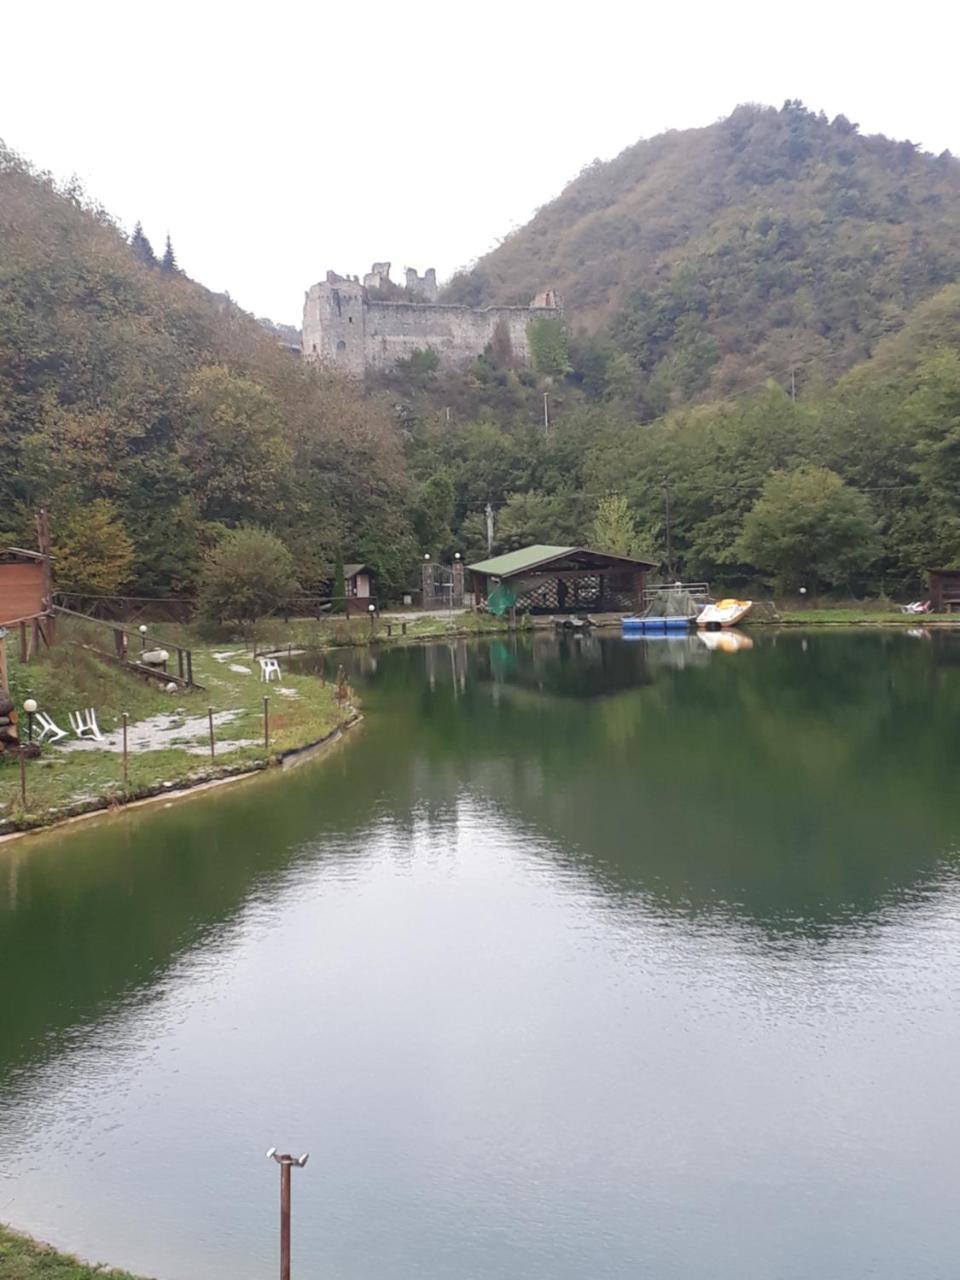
581, 958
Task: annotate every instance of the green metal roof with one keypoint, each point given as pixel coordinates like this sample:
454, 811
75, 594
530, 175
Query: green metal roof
516, 561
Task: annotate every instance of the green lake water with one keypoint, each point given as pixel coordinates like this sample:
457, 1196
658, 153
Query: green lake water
581, 958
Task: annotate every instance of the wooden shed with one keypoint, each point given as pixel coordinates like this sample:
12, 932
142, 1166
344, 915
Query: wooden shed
361, 585
24, 584
548, 579
944, 590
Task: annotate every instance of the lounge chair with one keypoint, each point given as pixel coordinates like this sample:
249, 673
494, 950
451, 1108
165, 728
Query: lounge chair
84, 724
48, 729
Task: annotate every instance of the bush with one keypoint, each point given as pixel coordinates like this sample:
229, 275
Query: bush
247, 576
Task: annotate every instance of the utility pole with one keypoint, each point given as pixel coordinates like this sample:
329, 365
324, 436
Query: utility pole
489, 515
665, 486
285, 1162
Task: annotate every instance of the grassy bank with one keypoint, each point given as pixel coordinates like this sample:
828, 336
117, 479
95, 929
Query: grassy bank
24, 1259
863, 615
330, 632
168, 732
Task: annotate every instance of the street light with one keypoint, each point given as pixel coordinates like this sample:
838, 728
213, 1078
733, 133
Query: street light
143, 635
372, 610
285, 1162
30, 706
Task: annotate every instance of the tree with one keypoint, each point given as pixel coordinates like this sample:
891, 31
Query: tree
433, 513
339, 585
142, 248
548, 346
168, 264
614, 528
93, 552
245, 577
808, 527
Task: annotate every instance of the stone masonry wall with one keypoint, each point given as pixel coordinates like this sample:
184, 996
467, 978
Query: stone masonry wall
395, 330
342, 327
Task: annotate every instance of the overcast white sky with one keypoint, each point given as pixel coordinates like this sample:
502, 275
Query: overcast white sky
275, 141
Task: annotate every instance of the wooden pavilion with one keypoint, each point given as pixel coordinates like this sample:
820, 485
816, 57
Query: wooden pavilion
549, 579
944, 590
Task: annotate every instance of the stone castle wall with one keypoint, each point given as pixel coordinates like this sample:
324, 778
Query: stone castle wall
342, 327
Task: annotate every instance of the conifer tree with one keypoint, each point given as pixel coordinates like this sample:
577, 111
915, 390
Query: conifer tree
141, 246
168, 264
339, 602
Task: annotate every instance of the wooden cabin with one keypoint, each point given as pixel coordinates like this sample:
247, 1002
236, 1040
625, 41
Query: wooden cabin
24, 584
361, 586
944, 590
548, 579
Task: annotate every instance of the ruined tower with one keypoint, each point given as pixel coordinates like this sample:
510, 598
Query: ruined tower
333, 324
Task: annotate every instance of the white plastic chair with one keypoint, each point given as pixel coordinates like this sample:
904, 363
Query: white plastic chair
47, 728
84, 724
269, 667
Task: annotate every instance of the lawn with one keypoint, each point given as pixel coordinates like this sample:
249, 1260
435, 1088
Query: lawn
162, 727
861, 615
24, 1259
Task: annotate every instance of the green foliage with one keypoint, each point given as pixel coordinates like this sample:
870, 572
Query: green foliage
94, 555
808, 527
614, 528
339, 585
142, 248
143, 389
548, 346
719, 257
535, 517
433, 514
248, 575
168, 263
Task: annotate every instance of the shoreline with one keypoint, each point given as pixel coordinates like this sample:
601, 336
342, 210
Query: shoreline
24, 1257
182, 788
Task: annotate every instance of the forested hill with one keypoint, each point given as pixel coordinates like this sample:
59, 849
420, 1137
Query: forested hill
149, 414
716, 258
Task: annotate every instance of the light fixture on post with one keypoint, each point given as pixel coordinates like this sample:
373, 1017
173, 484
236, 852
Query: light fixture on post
30, 706
372, 611
143, 636
286, 1162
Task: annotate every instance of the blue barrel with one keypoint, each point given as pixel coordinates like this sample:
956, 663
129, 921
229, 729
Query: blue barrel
637, 626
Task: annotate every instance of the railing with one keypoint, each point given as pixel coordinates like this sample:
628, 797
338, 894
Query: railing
121, 646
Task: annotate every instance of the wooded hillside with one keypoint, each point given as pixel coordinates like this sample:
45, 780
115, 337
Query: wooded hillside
712, 259
148, 414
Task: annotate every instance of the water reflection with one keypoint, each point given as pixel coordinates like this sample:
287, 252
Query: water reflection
583, 957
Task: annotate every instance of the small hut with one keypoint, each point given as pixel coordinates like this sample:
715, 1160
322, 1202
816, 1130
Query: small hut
24, 584
548, 579
360, 582
944, 590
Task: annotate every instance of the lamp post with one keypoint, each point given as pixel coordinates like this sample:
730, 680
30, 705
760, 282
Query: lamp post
286, 1162
372, 611
143, 636
30, 706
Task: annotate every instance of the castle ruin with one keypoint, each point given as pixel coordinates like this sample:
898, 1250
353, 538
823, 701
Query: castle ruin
359, 328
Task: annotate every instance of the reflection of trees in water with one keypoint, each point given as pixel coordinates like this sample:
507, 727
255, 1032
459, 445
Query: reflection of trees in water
798, 790
802, 785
